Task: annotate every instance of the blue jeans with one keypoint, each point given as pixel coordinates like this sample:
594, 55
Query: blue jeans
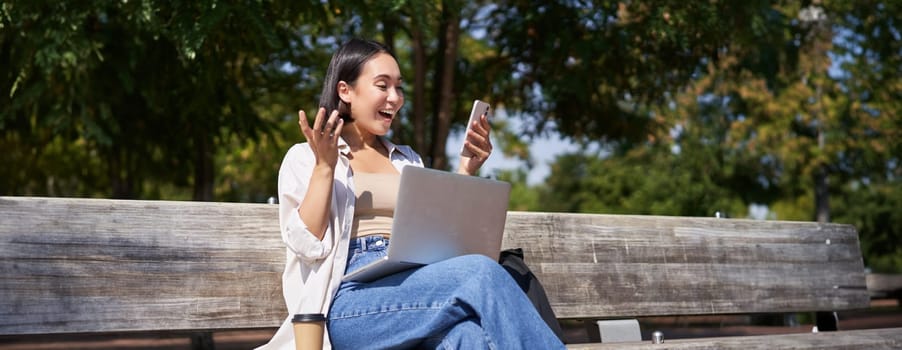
467, 302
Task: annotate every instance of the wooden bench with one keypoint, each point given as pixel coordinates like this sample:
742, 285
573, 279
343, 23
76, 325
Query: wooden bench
111, 266
885, 286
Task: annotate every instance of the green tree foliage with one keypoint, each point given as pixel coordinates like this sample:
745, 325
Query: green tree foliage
150, 89
874, 210
870, 48
163, 96
522, 197
644, 181
590, 67
767, 121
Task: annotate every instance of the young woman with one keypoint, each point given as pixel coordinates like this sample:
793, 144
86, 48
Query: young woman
468, 302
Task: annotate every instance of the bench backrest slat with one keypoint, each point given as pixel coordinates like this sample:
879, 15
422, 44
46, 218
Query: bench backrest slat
96, 265
626, 266
89, 265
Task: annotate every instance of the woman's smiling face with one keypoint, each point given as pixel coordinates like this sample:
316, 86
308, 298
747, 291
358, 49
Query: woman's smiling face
376, 96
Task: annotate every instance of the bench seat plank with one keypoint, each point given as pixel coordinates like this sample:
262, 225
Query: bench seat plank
882, 285
872, 339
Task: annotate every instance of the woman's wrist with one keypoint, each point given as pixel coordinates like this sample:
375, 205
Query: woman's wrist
462, 169
323, 169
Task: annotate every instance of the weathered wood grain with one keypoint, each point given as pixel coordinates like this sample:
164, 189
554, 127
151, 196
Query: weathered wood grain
882, 285
94, 265
87, 265
871, 339
625, 266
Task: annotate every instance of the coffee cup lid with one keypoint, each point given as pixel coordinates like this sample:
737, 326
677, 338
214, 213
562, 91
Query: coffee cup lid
308, 318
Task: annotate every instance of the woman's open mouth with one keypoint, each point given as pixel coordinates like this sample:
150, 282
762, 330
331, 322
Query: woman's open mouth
387, 113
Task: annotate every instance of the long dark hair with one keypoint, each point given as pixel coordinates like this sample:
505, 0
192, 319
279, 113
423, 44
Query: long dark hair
346, 65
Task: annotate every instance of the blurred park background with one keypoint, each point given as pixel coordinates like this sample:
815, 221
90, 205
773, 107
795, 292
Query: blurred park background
781, 110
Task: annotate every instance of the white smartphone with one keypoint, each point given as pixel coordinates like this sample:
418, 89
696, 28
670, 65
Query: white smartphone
479, 108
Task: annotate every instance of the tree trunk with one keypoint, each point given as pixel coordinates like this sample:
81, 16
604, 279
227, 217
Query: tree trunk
450, 26
419, 90
203, 168
822, 43
821, 195
119, 172
389, 29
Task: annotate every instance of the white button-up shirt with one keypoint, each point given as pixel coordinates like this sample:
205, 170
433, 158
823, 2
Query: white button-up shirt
313, 267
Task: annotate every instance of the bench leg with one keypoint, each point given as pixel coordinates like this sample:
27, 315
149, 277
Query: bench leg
202, 341
617, 331
826, 321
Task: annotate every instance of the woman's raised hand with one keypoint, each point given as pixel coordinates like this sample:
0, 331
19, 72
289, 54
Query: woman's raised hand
477, 142
323, 137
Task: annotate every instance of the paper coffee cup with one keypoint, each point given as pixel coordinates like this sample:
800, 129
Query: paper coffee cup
308, 331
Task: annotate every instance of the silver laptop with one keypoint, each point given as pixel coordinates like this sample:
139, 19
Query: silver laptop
440, 215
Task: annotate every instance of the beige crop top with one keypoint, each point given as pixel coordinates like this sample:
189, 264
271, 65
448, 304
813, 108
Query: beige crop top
377, 194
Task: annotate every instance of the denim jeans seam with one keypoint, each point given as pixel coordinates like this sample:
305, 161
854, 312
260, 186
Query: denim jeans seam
388, 310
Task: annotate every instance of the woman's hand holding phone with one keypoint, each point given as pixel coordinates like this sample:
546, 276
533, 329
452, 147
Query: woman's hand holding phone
477, 145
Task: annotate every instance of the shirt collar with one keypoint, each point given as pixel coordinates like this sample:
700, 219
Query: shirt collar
391, 147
